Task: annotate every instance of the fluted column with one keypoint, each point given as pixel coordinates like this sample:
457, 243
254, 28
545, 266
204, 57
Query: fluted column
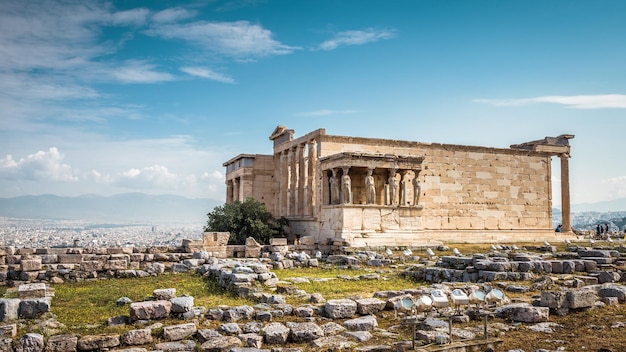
302, 174
229, 191
312, 164
565, 199
236, 190
284, 184
293, 182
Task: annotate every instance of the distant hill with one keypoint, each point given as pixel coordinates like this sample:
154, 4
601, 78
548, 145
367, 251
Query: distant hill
121, 208
611, 205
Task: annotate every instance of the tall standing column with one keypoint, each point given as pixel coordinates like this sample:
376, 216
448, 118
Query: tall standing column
565, 201
284, 185
301, 179
293, 182
229, 191
236, 190
311, 179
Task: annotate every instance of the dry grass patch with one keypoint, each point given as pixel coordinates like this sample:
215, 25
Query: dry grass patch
340, 283
86, 306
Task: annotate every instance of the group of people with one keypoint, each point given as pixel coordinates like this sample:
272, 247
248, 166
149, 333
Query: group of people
602, 231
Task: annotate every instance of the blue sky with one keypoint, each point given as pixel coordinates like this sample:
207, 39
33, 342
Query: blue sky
153, 96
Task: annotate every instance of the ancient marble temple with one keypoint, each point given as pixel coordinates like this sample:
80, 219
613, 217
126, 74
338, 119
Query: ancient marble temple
354, 191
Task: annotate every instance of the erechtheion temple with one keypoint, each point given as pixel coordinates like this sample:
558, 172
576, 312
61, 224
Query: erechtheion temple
353, 191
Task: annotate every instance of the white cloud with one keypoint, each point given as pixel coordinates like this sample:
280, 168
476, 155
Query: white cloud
239, 39
617, 186
172, 14
573, 101
139, 72
130, 17
41, 166
208, 74
327, 112
356, 37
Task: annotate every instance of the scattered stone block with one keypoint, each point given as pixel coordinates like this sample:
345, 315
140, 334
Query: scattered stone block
221, 344
179, 332
164, 293
30, 342
365, 323
137, 337
62, 343
98, 342
523, 312
305, 332
150, 310
340, 308
275, 333
9, 309
35, 290
32, 308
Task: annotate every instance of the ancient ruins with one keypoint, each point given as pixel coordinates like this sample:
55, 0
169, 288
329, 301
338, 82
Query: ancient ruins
352, 191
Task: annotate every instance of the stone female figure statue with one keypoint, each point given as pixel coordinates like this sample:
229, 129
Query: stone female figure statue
370, 188
417, 190
393, 188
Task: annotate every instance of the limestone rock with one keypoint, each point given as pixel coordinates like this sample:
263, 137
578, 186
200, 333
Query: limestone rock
231, 329
164, 293
365, 323
182, 304
360, 336
30, 343
332, 328
332, 343
62, 343
367, 306
251, 340
9, 308
32, 308
340, 308
221, 344
523, 312
304, 332
150, 310
174, 346
98, 342
276, 333
179, 332
137, 337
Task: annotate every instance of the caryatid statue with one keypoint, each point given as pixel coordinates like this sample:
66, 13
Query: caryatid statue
417, 190
393, 187
370, 188
346, 187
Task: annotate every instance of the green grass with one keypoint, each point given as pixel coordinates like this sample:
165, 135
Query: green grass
88, 304
342, 288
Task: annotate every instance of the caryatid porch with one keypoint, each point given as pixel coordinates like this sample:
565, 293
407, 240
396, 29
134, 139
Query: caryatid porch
371, 198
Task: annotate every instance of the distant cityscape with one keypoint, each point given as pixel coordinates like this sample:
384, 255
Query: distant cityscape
38, 233
136, 219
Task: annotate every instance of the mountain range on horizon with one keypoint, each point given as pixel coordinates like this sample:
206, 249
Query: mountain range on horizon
119, 208
146, 208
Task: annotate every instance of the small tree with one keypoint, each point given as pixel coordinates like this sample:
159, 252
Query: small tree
249, 218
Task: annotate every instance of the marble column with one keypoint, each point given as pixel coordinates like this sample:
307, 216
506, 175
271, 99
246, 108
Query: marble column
229, 191
312, 164
236, 190
301, 179
565, 199
283, 184
293, 182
